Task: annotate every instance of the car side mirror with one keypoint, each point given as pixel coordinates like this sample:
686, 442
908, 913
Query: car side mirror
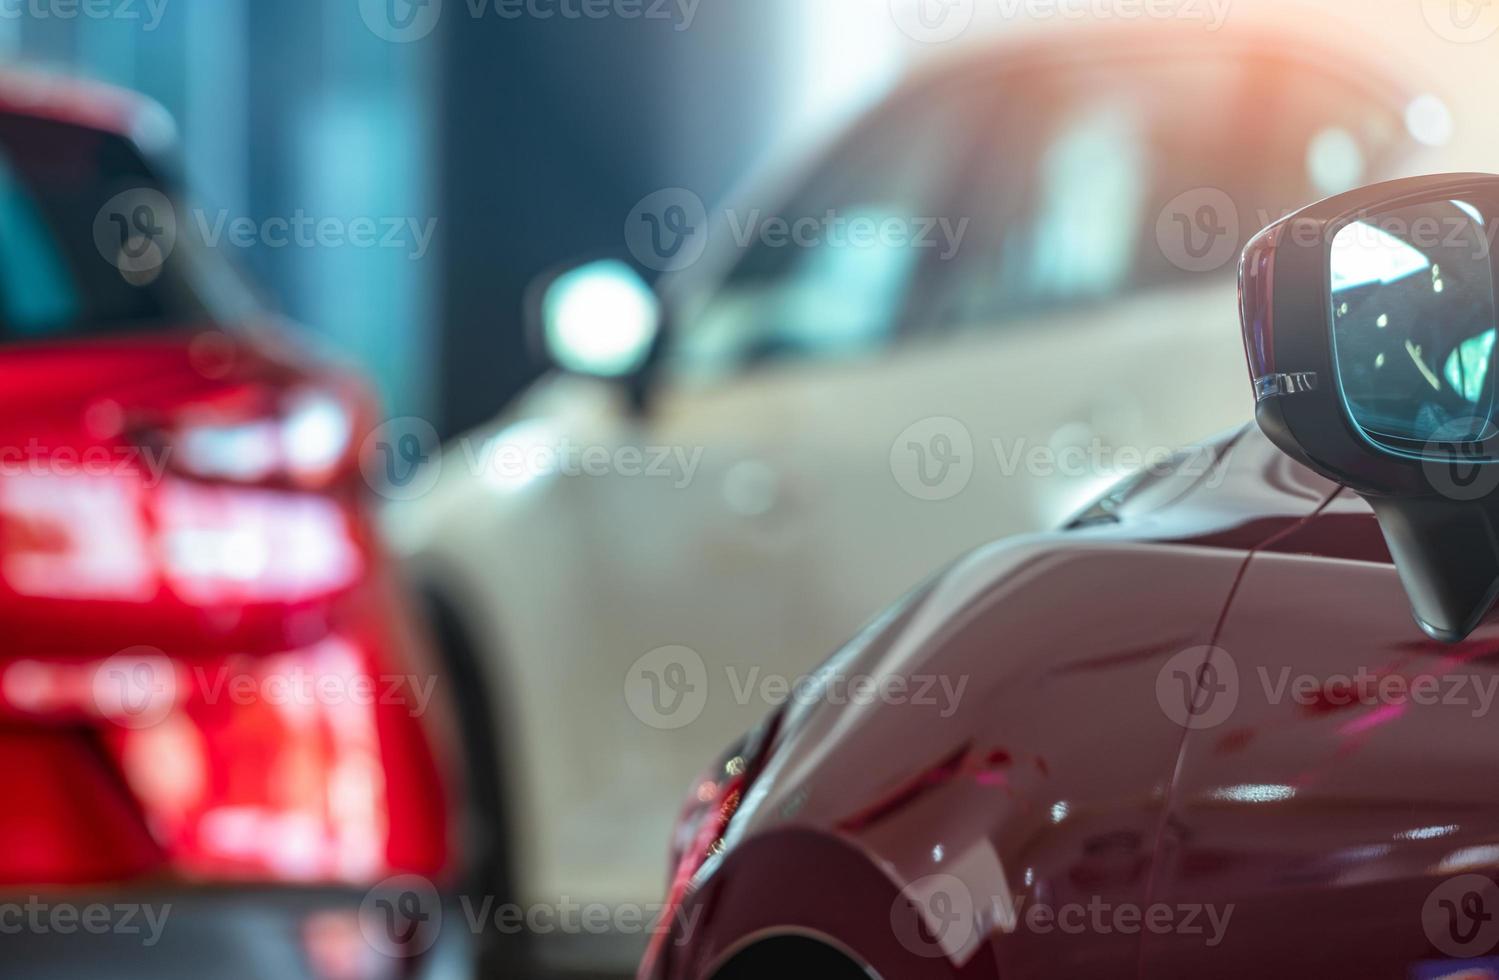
598, 319
1369, 321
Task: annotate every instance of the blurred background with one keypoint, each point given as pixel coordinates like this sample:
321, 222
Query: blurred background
607, 451
525, 140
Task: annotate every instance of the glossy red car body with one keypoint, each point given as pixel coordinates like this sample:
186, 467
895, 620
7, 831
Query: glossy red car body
211, 688
1328, 832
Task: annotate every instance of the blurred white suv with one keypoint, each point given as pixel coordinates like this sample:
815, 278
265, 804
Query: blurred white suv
1009, 285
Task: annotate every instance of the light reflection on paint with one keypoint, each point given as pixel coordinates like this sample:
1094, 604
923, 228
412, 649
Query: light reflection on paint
1254, 793
1429, 833
1470, 859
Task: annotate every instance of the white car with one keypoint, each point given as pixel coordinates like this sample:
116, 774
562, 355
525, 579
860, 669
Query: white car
728, 475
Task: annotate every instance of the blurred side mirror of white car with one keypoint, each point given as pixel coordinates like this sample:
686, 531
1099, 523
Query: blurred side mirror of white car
598, 319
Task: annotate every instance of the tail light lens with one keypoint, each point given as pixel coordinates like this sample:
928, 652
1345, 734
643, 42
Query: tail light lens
710, 808
231, 768
304, 437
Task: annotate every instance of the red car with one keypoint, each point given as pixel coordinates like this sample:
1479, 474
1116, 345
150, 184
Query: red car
218, 725
1233, 722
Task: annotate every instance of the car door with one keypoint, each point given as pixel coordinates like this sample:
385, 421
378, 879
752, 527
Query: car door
1335, 806
1070, 334
687, 580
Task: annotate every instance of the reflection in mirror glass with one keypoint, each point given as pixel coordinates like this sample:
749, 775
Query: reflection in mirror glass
1414, 321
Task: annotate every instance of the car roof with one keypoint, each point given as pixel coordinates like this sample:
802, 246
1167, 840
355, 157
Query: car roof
80, 102
1374, 66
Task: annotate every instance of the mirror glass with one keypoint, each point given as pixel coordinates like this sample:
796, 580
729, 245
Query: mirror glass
1413, 323
600, 319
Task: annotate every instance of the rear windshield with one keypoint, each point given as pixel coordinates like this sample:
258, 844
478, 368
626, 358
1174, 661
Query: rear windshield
93, 242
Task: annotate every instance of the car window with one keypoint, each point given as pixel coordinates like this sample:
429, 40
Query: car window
1112, 180
58, 184
828, 275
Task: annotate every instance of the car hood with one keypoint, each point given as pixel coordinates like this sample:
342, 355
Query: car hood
1016, 693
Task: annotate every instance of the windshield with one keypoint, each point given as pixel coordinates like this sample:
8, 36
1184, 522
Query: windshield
92, 242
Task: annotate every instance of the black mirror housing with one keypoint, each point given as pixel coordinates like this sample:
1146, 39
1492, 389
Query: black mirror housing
1369, 324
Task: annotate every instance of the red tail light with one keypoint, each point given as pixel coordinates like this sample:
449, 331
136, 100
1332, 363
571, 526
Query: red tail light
303, 437
219, 768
